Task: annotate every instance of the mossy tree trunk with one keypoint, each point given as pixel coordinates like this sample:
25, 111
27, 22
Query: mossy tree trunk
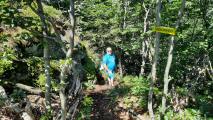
46, 56
66, 67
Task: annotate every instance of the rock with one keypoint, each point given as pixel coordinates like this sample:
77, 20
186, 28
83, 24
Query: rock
15, 107
2, 93
28, 110
26, 116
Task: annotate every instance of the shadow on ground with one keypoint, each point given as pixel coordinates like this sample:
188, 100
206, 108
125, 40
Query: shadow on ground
103, 107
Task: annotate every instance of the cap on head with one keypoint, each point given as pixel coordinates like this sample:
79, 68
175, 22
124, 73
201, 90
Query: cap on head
109, 49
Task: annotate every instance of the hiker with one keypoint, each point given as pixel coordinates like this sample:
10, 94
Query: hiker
109, 65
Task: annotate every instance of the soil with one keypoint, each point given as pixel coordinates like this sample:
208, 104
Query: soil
103, 107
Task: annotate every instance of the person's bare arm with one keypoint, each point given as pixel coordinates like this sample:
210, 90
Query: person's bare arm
105, 67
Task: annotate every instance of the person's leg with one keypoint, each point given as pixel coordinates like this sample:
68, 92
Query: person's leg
107, 77
111, 79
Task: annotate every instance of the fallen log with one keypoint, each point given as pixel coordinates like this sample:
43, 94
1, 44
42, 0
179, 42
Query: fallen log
34, 90
30, 89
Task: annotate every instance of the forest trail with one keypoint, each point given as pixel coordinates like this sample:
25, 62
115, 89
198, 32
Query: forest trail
105, 107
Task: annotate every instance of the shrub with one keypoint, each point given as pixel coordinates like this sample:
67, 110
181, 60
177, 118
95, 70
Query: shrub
6, 60
35, 66
17, 95
85, 109
41, 81
187, 114
138, 91
89, 84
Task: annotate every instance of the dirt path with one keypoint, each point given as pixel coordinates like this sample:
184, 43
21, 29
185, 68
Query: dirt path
103, 107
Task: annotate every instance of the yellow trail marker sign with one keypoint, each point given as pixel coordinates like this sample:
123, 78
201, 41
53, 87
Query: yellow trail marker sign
166, 30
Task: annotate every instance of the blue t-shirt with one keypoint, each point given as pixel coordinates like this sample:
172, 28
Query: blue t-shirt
109, 60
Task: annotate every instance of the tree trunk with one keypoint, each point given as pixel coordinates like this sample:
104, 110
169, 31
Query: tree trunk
166, 75
46, 56
169, 61
154, 65
63, 76
123, 37
120, 67
72, 22
144, 43
62, 93
65, 68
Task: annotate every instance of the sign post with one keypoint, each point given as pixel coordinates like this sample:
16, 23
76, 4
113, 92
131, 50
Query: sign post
165, 30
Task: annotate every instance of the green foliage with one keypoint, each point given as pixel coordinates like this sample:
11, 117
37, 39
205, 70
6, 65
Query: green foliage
17, 95
118, 24
88, 101
89, 84
5, 65
205, 105
131, 102
187, 114
35, 65
51, 11
2, 101
6, 60
55, 68
91, 64
46, 116
55, 85
41, 81
3, 37
137, 93
86, 108
90, 69
55, 64
64, 62
26, 11
182, 91
139, 85
8, 12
